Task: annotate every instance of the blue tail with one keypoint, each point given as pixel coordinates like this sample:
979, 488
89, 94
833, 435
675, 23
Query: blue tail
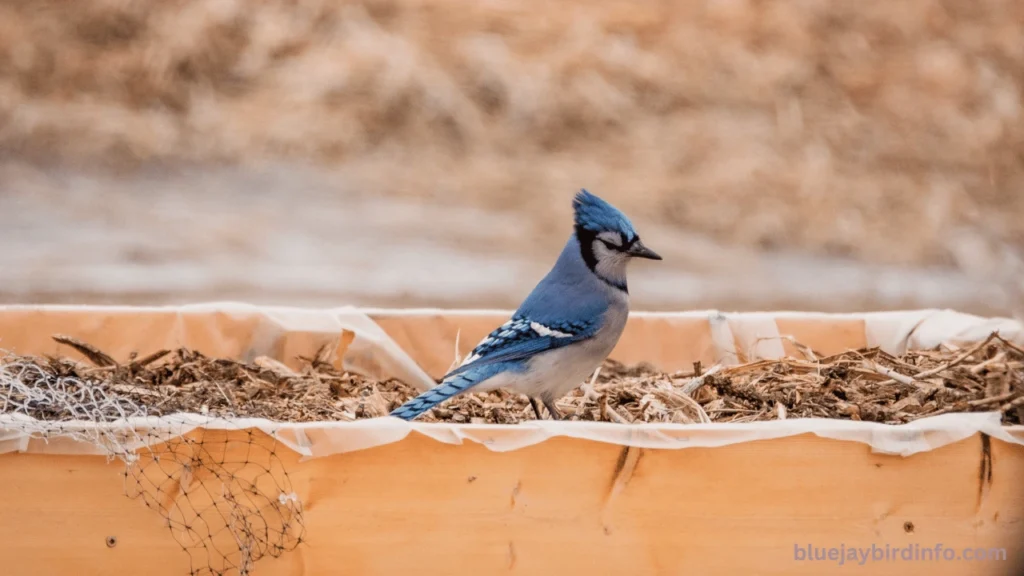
452, 387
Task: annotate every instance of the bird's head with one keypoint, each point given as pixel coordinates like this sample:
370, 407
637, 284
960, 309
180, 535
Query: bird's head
607, 238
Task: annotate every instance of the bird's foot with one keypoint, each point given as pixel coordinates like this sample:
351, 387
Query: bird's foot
556, 414
536, 409
550, 405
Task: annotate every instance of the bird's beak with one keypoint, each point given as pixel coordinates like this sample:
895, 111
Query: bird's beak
638, 250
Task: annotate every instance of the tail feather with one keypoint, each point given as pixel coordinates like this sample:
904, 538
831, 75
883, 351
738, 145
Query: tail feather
433, 397
453, 386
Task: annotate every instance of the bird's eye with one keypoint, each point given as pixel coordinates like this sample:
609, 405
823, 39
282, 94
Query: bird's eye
608, 244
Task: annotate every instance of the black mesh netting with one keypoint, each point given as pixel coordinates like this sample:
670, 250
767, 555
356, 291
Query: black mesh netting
224, 494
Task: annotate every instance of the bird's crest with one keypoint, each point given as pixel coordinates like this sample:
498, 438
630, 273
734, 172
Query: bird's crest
594, 214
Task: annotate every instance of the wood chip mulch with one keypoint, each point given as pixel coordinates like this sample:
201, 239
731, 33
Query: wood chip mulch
866, 384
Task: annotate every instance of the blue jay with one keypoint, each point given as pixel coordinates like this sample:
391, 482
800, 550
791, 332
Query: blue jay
565, 328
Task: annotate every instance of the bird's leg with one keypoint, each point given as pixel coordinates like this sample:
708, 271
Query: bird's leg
536, 409
550, 405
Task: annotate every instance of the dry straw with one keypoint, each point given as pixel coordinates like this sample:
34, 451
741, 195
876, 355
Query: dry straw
866, 384
743, 120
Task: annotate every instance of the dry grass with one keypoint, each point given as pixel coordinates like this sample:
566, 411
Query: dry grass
863, 128
865, 385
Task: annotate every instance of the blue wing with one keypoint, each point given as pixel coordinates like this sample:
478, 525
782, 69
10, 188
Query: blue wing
504, 350
522, 337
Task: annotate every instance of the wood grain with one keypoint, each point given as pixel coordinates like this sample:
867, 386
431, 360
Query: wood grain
420, 506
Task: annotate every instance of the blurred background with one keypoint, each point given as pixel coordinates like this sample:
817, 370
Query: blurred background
808, 154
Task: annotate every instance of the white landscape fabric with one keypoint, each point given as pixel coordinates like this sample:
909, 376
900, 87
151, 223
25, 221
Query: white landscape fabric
370, 351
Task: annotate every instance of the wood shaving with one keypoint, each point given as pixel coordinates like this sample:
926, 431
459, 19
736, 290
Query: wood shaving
865, 384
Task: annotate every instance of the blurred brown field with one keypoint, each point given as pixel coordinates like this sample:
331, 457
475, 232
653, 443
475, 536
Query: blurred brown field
818, 154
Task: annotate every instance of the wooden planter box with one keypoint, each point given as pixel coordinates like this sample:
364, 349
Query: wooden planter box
384, 496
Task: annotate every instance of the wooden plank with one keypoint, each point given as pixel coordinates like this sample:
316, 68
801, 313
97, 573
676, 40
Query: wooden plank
562, 506
826, 335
